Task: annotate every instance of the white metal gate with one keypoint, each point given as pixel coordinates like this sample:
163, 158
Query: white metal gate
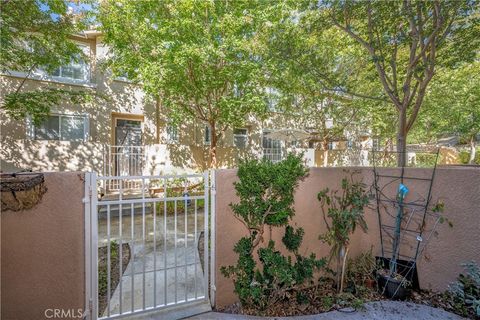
148, 248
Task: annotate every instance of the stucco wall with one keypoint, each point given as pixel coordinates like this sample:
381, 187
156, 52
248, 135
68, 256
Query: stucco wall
458, 188
42, 252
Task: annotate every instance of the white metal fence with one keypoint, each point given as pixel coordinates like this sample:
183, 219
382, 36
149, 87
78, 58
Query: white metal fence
123, 161
151, 250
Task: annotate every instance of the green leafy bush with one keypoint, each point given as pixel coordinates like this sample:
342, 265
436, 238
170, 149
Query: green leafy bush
465, 292
465, 156
344, 209
266, 192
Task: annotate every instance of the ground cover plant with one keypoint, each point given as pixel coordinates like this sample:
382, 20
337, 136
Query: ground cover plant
114, 271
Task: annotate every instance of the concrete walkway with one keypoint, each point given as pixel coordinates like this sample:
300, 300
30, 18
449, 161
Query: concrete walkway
167, 271
381, 310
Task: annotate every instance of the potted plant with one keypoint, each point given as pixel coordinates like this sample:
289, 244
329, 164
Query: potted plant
392, 280
344, 209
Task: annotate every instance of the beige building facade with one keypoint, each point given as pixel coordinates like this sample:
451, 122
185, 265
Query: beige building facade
124, 133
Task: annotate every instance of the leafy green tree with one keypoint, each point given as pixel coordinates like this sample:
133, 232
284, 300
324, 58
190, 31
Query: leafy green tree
309, 67
406, 41
452, 107
200, 59
37, 34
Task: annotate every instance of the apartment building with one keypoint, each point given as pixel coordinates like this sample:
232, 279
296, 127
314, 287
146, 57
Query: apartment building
125, 134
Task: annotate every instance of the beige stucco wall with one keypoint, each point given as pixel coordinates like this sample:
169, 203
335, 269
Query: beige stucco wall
42, 252
457, 188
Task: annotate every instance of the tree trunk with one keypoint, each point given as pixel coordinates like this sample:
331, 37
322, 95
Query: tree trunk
157, 119
402, 138
213, 147
325, 152
473, 150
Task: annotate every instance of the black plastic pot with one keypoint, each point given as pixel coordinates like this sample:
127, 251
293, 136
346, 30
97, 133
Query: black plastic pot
406, 269
392, 288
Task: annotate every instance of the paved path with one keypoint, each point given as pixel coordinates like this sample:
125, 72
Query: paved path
165, 273
382, 310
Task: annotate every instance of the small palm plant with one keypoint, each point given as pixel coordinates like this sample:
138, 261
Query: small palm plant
345, 210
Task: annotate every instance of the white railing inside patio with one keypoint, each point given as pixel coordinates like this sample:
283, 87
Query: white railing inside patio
123, 161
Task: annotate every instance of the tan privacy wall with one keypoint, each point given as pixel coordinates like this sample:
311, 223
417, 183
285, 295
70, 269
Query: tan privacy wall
42, 253
457, 187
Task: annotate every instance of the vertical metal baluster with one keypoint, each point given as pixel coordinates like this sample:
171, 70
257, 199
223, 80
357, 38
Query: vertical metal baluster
175, 248
195, 251
143, 239
154, 254
132, 256
120, 213
108, 260
213, 192
206, 238
185, 249
165, 239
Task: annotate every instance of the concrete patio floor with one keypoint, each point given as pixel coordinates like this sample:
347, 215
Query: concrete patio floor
380, 310
163, 272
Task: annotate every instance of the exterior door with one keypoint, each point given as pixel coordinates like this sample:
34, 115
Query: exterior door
128, 149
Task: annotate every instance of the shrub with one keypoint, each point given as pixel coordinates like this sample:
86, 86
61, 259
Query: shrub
266, 192
465, 156
465, 292
344, 209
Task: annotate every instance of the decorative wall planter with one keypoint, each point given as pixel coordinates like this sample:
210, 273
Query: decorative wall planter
20, 191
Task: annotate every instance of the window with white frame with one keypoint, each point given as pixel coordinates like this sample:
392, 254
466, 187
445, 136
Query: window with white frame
172, 133
78, 71
273, 150
61, 127
240, 138
207, 139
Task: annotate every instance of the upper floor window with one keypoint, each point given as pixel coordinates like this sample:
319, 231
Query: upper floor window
78, 71
61, 127
172, 133
240, 138
207, 139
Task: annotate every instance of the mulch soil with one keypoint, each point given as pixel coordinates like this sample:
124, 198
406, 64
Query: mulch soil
114, 274
323, 298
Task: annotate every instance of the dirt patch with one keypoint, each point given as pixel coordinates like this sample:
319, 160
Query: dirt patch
323, 298
114, 271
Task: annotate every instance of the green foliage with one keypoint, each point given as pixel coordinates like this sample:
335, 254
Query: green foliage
465, 292
344, 209
452, 106
293, 239
38, 34
37, 103
345, 212
465, 156
266, 191
426, 160
360, 270
406, 44
200, 58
